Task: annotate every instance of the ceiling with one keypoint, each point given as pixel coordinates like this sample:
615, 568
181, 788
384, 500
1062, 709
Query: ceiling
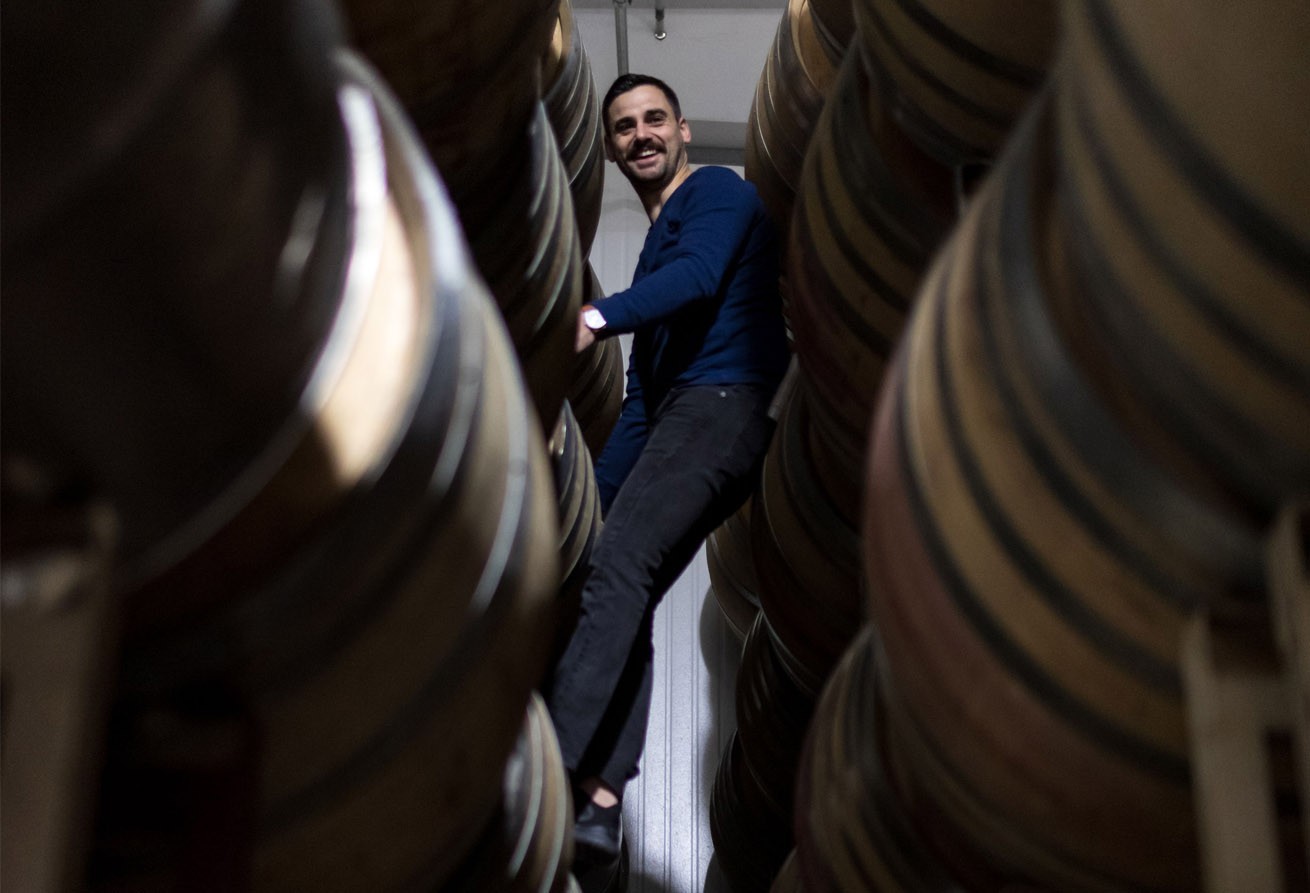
712, 54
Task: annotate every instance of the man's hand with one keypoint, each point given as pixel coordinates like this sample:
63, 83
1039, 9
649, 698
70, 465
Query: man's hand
585, 337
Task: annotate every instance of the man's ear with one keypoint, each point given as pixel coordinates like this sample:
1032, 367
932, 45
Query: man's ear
685, 128
609, 148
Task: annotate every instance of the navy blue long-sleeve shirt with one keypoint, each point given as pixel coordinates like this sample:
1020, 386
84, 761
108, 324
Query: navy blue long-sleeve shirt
703, 306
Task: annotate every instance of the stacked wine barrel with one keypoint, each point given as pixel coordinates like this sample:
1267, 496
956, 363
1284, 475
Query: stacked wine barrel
470, 79
596, 394
731, 568
528, 848
1055, 484
797, 77
595, 387
579, 517
569, 92
911, 113
506, 106
338, 526
795, 82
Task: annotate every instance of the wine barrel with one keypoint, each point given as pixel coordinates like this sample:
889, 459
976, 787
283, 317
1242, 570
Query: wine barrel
528, 846
527, 249
834, 25
806, 557
871, 210
469, 79
773, 712
751, 830
962, 72
596, 390
788, 879
579, 518
380, 668
789, 95
731, 567
468, 75
160, 163
853, 833
1030, 570
1190, 236
569, 93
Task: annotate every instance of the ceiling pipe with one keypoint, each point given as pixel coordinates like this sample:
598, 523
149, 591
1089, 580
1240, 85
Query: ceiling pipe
621, 33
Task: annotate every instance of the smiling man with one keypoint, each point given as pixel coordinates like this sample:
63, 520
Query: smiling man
708, 352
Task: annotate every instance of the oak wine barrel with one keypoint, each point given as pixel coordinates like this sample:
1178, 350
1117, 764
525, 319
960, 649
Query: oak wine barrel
1030, 571
1184, 194
364, 691
963, 71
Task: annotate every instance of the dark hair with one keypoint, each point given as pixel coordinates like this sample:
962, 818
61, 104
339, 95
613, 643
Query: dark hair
625, 82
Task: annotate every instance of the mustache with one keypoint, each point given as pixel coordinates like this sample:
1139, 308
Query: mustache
636, 151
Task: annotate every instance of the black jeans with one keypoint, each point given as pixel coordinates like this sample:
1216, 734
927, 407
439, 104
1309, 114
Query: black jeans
700, 463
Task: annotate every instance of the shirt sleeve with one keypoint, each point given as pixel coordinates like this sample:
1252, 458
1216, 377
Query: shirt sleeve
714, 224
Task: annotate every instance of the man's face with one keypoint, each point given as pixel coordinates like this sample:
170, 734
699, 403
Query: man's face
645, 139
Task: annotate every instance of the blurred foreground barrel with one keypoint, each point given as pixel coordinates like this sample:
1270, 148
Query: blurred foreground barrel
1187, 203
1025, 557
962, 71
195, 152
338, 714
